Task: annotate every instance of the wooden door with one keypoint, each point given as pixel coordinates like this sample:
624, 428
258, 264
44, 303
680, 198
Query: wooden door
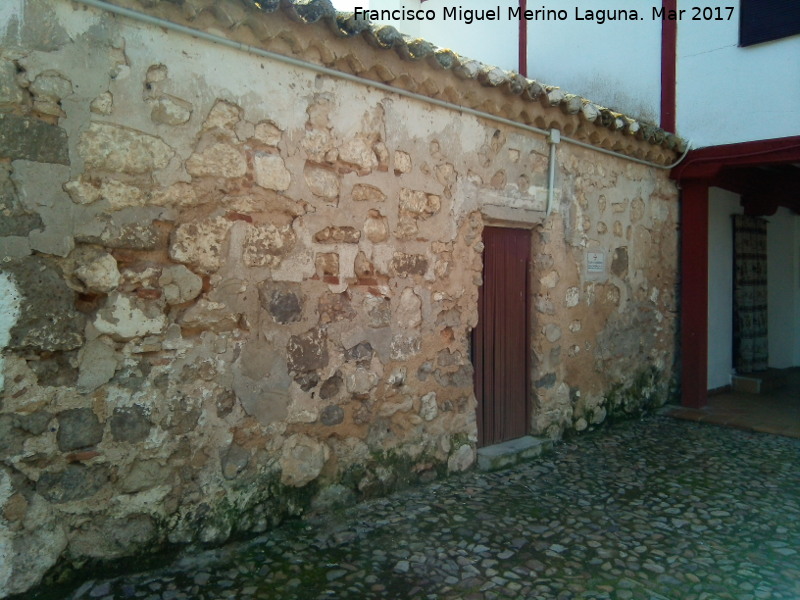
500, 341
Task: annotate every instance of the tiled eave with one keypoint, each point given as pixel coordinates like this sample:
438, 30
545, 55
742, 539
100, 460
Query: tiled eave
313, 31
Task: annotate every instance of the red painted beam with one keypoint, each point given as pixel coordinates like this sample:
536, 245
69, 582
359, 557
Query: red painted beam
706, 163
523, 40
694, 294
669, 51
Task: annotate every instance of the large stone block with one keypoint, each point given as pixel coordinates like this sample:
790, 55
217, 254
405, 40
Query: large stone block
117, 149
462, 377
405, 346
360, 381
271, 173
284, 304
331, 386
619, 263
358, 151
48, 319
179, 284
215, 316
11, 94
12, 437
266, 399
51, 85
428, 407
265, 245
418, 204
15, 219
106, 538
143, 475
406, 265
302, 459
170, 110
31, 139
97, 364
338, 235
99, 273
462, 459
217, 160
332, 415
322, 182
112, 231
48, 89
124, 318
78, 428
335, 307
234, 460
402, 162
200, 243
326, 264
130, 424
33, 554
120, 195
367, 193
267, 133
308, 351
376, 227
379, 311
409, 310
223, 116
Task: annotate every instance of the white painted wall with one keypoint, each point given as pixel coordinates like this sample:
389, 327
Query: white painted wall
728, 94
616, 64
783, 293
783, 277
492, 42
721, 205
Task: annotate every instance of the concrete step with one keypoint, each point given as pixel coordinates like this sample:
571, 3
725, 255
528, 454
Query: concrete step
512, 452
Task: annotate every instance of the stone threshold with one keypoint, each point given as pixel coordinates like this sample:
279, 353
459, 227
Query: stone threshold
512, 452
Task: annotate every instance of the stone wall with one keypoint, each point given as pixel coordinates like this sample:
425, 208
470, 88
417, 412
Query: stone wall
234, 290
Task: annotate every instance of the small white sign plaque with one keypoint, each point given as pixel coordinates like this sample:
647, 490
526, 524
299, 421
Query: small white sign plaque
595, 262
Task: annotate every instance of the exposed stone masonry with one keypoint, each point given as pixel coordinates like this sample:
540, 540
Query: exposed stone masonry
233, 292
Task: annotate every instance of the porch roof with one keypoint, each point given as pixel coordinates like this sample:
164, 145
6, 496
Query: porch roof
765, 173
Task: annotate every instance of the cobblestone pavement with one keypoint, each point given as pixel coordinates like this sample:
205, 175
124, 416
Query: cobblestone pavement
649, 509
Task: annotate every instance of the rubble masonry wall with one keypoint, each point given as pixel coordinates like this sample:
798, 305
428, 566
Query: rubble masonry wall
233, 290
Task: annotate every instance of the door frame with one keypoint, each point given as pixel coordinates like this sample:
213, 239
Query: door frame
477, 361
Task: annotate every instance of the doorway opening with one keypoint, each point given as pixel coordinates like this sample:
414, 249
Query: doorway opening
501, 346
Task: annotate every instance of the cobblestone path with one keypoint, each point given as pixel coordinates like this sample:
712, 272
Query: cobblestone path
651, 509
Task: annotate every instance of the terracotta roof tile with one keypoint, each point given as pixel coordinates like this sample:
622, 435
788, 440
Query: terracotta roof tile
233, 14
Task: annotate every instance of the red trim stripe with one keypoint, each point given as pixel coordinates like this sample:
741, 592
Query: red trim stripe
694, 294
669, 49
523, 39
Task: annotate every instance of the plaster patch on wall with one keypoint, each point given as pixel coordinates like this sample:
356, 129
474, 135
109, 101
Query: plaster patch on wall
10, 301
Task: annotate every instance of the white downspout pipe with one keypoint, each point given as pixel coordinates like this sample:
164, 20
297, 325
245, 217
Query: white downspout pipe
553, 139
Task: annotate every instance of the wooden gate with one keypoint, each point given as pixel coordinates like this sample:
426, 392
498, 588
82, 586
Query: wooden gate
500, 341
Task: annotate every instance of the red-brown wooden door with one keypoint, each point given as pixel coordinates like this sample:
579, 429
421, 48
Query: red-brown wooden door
500, 341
